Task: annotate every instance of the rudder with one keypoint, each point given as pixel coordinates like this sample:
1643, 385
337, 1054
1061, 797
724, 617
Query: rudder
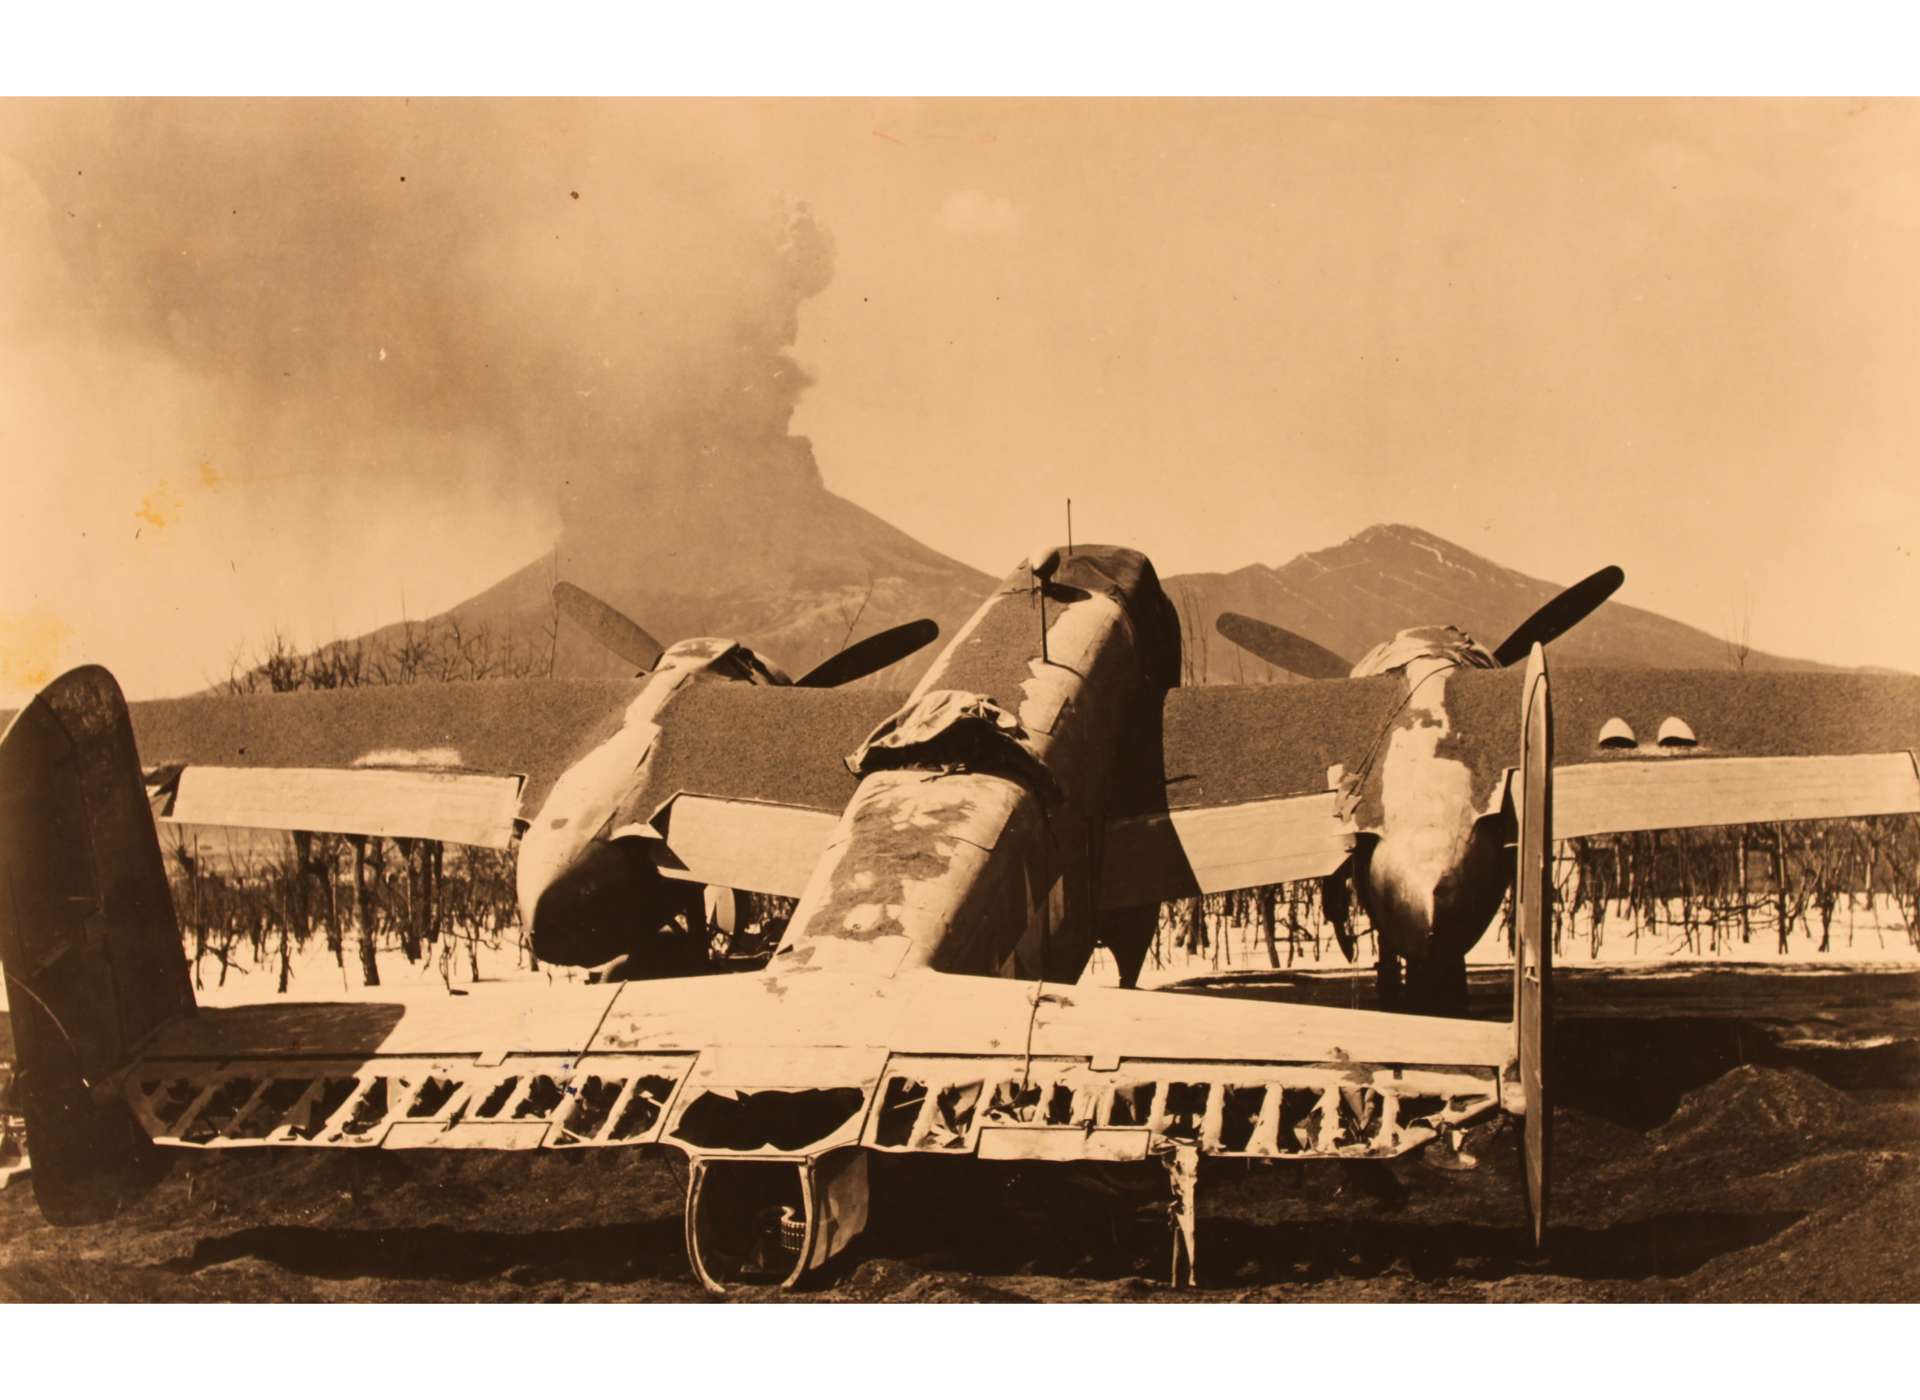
1533, 943
88, 940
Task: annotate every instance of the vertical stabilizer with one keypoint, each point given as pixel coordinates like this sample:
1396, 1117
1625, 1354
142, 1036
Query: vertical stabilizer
1533, 926
88, 940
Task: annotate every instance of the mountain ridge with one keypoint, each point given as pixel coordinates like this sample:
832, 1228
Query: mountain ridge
1352, 595
802, 572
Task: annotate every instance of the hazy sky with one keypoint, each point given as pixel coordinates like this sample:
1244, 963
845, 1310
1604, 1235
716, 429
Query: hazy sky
276, 383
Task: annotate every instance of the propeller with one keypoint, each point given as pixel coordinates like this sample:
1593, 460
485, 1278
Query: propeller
1560, 613
629, 641
612, 628
1277, 646
871, 654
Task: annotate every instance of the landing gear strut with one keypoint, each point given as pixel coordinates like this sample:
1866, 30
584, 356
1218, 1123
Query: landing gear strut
1386, 980
1183, 1176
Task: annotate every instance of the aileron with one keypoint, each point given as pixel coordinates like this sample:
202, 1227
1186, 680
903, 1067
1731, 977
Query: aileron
473, 809
1659, 794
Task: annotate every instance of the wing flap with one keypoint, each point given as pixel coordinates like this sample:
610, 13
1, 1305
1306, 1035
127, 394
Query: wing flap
1074, 1073
757, 846
1661, 794
1202, 850
505, 1067
793, 1064
1032, 1142
473, 809
523, 1102
1227, 1075
1007, 1108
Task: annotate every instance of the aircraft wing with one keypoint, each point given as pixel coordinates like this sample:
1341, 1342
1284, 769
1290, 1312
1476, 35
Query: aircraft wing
1765, 746
1228, 787
737, 765
743, 785
798, 1063
455, 762
1237, 786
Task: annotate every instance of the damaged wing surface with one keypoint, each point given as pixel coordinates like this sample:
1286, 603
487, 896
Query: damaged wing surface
785, 1064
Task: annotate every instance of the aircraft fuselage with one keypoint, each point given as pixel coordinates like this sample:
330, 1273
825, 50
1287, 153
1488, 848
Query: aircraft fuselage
990, 870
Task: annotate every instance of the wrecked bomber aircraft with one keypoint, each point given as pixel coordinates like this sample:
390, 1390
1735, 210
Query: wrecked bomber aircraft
956, 853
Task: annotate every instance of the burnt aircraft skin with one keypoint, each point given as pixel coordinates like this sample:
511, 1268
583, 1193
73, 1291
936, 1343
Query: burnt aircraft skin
978, 853
588, 895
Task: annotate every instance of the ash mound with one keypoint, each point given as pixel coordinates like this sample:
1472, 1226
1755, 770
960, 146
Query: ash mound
1751, 1101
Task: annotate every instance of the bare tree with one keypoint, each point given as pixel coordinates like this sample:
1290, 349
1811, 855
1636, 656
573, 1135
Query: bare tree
1193, 640
553, 610
1739, 629
852, 618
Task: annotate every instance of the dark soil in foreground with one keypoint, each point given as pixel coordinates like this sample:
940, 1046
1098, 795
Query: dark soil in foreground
1724, 1135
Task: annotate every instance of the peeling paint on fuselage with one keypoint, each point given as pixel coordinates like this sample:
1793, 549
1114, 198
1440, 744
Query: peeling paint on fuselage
917, 875
980, 872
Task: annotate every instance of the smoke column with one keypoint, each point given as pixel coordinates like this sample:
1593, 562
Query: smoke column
275, 363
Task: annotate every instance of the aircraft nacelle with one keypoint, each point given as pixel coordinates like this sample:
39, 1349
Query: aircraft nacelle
722, 658
1412, 647
586, 894
588, 888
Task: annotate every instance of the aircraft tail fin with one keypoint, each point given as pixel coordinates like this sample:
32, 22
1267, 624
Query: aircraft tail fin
88, 940
1533, 927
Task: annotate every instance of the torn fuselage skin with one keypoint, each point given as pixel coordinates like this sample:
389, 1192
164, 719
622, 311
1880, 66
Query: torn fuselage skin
587, 895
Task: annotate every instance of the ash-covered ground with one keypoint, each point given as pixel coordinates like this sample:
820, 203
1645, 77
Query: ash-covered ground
1724, 1134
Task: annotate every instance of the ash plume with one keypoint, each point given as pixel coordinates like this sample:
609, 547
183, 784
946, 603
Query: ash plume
322, 340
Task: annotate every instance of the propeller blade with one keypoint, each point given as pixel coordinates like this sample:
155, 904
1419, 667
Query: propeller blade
1560, 613
608, 626
875, 653
1278, 647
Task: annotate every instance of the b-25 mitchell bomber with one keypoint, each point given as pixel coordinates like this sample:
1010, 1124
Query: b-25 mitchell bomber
956, 853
